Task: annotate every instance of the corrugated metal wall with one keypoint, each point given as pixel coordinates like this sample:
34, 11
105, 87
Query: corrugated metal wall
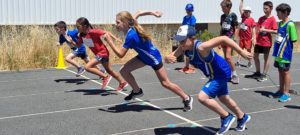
23, 12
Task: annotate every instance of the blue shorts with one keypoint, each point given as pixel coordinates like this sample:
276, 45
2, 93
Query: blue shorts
215, 88
82, 55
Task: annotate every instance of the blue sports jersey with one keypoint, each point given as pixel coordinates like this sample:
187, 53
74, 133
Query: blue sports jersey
213, 66
283, 45
189, 20
74, 35
147, 53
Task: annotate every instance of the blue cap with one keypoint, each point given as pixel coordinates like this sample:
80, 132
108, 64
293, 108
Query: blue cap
184, 32
189, 7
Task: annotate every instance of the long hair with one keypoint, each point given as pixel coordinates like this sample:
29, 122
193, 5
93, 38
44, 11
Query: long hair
226, 3
125, 16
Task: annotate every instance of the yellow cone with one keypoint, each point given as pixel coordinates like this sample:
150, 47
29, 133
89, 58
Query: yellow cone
60, 60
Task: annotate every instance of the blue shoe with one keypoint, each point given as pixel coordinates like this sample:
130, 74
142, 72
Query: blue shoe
226, 124
284, 98
241, 124
277, 94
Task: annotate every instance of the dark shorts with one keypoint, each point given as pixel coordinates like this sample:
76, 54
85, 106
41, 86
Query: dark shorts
81, 55
154, 67
102, 59
261, 49
282, 66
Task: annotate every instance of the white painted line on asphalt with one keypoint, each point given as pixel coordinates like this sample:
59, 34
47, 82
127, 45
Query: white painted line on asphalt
203, 120
37, 94
60, 111
157, 107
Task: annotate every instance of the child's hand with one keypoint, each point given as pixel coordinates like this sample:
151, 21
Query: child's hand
158, 13
68, 38
170, 59
247, 55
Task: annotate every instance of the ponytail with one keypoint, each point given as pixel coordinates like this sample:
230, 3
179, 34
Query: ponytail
125, 16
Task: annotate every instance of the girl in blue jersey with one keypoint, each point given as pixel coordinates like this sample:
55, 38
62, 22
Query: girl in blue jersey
216, 69
141, 42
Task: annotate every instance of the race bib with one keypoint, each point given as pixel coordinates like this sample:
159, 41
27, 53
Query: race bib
279, 39
243, 26
89, 42
226, 26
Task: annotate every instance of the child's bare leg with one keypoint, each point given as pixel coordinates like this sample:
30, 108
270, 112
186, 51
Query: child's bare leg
126, 70
113, 73
164, 80
212, 104
91, 67
70, 60
231, 104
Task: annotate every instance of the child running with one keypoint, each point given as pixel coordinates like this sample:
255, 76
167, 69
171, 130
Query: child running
217, 70
141, 42
283, 51
92, 38
63, 33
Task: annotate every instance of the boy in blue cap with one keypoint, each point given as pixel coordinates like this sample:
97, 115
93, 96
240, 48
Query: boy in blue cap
190, 20
217, 70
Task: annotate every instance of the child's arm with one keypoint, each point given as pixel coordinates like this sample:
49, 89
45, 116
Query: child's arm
114, 37
146, 12
70, 40
241, 7
119, 52
172, 57
268, 30
253, 36
204, 48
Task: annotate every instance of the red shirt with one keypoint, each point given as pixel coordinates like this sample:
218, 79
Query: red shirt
245, 32
263, 38
93, 41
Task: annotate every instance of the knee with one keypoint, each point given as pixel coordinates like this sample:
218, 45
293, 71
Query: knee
87, 67
165, 83
201, 99
68, 59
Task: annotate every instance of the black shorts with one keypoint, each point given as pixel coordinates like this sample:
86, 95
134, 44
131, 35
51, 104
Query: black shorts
261, 49
102, 59
155, 67
282, 66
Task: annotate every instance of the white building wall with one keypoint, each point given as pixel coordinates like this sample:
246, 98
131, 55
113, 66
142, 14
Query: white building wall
24, 12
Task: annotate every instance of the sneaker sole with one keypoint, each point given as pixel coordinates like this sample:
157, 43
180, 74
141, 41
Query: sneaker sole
245, 125
135, 97
282, 101
186, 110
77, 75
